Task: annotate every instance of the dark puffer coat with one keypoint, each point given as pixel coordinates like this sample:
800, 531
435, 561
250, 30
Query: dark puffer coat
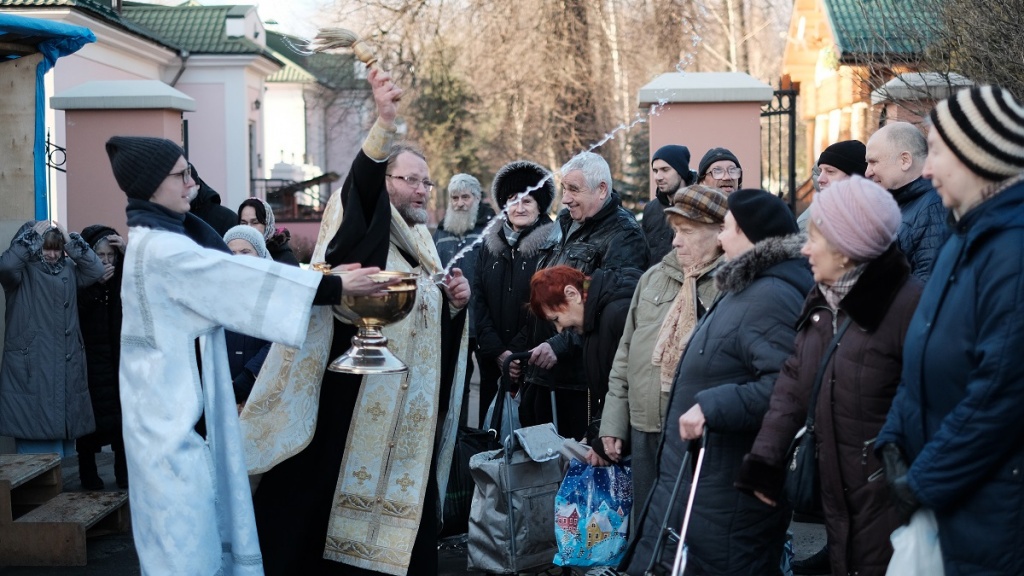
604, 319
923, 228
656, 228
206, 205
279, 246
501, 290
44, 394
857, 389
729, 368
99, 313
959, 414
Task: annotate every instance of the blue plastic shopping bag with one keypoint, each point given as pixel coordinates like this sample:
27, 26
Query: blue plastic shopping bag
592, 515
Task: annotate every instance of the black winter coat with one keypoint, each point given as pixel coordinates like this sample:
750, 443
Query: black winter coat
245, 358
612, 238
501, 291
857, 389
656, 228
206, 205
99, 315
279, 247
923, 228
604, 319
729, 368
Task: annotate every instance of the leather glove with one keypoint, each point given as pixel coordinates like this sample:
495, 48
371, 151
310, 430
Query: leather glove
902, 496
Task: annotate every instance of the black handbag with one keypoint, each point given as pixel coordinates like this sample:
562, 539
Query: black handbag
802, 483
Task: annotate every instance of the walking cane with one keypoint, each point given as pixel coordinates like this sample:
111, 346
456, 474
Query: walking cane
680, 563
659, 544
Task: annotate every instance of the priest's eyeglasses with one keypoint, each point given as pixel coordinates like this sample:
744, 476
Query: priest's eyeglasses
186, 175
413, 182
719, 173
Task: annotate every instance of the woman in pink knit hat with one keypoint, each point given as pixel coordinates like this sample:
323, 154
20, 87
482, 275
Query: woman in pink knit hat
865, 295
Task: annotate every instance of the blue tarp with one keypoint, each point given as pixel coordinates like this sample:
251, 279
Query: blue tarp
53, 40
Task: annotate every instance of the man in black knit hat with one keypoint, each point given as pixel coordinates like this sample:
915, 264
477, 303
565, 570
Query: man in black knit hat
720, 168
670, 169
837, 162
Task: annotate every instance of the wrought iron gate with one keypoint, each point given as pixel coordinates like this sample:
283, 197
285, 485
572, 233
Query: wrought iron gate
778, 145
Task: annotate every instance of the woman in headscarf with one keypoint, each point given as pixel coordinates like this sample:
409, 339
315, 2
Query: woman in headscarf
864, 280
44, 394
99, 311
958, 416
246, 354
258, 214
723, 383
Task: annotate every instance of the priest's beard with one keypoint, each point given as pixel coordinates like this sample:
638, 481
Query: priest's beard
458, 222
412, 216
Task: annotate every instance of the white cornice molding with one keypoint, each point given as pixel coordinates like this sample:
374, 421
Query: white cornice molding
256, 62
107, 35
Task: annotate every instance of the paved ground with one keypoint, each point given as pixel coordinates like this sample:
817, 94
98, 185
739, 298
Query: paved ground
114, 555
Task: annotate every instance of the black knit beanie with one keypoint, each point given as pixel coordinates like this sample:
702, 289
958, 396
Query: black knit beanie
712, 156
678, 157
761, 214
848, 156
93, 234
518, 176
141, 164
984, 127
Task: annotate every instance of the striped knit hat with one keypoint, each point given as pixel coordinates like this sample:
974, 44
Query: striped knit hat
984, 127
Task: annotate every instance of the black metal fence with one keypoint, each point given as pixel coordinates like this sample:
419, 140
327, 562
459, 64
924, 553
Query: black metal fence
778, 145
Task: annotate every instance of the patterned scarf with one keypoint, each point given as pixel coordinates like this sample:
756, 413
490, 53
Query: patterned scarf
679, 323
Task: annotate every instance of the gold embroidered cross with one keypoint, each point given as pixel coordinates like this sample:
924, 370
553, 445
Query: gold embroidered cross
405, 482
362, 475
417, 416
376, 411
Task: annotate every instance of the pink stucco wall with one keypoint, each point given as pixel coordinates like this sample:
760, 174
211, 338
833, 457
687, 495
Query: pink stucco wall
93, 196
206, 133
702, 126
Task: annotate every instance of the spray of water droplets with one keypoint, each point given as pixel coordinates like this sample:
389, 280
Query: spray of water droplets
640, 118
303, 48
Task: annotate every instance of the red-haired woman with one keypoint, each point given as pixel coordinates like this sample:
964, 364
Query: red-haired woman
596, 308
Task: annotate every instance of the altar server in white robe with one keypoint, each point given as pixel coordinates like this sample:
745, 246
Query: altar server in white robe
190, 499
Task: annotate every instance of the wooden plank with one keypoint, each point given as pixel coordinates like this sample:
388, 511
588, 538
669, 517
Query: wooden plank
84, 508
43, 544
27, 481
20, 468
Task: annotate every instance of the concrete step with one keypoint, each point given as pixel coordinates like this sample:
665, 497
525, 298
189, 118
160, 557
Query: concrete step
55, 533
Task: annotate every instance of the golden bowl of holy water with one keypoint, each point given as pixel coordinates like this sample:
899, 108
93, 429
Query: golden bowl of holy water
369, 353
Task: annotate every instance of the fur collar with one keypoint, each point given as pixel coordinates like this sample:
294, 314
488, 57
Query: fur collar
530, 241
736, 275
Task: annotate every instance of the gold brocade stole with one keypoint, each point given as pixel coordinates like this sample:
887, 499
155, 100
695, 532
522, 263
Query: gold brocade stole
378, 501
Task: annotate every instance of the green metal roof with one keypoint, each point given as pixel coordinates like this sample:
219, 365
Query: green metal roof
291, 73
198, 29
873, 27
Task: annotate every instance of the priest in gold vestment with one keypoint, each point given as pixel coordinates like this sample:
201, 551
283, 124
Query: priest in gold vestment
351, 465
